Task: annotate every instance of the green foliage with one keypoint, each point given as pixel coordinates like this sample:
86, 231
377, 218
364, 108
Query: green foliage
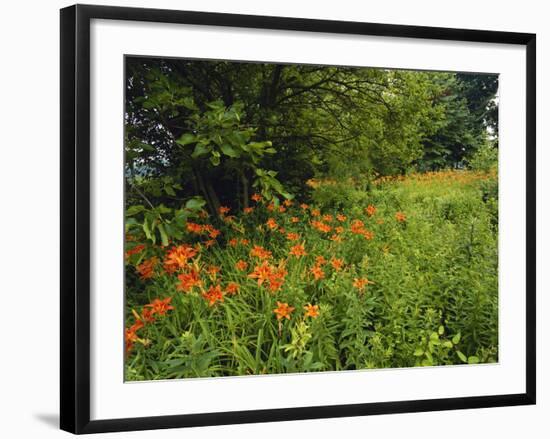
484, 159
433, 299
415, 280
219, 130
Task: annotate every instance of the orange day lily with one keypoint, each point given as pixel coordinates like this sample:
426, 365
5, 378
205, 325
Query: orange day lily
292, 236
213, 295
283, 311
337, 264
317, 272
272, 224
260, 252
298, 250
188, 280
361, 283
146, 269
160, 307
177, 257
232, 288
311, 310
241, 265
261, 273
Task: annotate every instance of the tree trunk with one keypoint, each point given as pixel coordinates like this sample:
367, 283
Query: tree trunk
200, 182
213, 196
246, 198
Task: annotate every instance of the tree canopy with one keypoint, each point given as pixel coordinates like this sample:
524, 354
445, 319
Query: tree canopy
213, 132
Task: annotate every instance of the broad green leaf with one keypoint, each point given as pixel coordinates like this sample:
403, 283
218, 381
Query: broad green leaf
134, 210
195, 203
473, 360
147, 230
215, 160
199, 150
456, 338
462, 356
186, 139
163, 235
228, 150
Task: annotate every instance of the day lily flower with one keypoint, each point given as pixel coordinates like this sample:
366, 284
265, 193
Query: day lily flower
194, 228
146, 269
213, 295
337, 264
241, 265
292, 236
261, 272
271, 223
283, 311
232, 288
311, 310
177, 257
260, 252
188, 280
298, 250
401, 217
135, 250
361, 283
160, 307
317, 272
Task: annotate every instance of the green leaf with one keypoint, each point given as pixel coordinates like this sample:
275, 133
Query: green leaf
441, 330
199, 150
456, 338
134, 210
147, 147
169, 190
147, 231
163, 235
462, 356
215, 160
189, 103
473, 360
195, 203
418, 352
447, 344
228, 150
186, 139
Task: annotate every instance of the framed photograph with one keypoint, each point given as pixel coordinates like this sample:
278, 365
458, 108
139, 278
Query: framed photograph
268, 219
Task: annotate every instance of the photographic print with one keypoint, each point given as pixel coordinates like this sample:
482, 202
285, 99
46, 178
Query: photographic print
289, 218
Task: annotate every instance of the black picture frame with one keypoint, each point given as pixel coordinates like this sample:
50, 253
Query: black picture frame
75, 217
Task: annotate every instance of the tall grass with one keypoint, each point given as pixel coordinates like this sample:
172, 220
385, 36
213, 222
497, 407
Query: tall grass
406, 277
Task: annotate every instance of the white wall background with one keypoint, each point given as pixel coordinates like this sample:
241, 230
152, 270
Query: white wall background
29, 206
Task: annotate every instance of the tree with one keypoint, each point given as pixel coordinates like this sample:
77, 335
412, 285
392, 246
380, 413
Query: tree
223, 129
